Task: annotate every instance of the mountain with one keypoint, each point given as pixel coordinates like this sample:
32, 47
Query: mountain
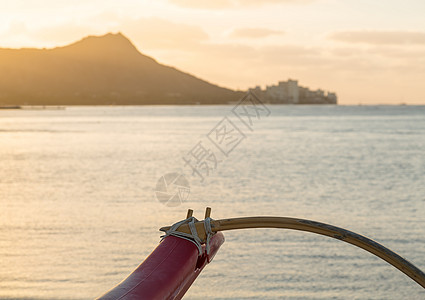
99, 70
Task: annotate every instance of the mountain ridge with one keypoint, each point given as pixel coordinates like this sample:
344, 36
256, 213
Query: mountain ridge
99, 70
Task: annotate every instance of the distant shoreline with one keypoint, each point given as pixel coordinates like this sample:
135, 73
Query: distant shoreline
33, 107
63, 107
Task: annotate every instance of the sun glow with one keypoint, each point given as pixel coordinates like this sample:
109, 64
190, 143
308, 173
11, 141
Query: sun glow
241, 44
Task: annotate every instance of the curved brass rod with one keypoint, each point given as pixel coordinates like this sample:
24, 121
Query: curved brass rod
315, 227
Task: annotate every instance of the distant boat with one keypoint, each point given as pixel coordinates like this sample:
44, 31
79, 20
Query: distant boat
10, 107
45, 107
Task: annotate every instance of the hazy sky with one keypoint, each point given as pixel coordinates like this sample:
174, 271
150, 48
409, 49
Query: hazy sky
365, 51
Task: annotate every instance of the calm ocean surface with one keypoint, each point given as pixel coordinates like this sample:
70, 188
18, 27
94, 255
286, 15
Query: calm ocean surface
78, 211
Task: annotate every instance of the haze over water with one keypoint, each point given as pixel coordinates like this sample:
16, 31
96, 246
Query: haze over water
78, 211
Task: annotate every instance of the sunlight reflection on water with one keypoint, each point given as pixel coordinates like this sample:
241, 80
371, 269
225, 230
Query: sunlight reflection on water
78, 211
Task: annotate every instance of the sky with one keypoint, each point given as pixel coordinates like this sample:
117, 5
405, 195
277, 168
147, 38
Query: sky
368, 52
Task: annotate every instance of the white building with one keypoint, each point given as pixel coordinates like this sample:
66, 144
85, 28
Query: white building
289, 92
284, 92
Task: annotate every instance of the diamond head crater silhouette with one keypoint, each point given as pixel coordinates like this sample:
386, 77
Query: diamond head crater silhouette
99, 70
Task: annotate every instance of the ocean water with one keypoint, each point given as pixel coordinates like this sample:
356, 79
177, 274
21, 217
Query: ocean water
78, 210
